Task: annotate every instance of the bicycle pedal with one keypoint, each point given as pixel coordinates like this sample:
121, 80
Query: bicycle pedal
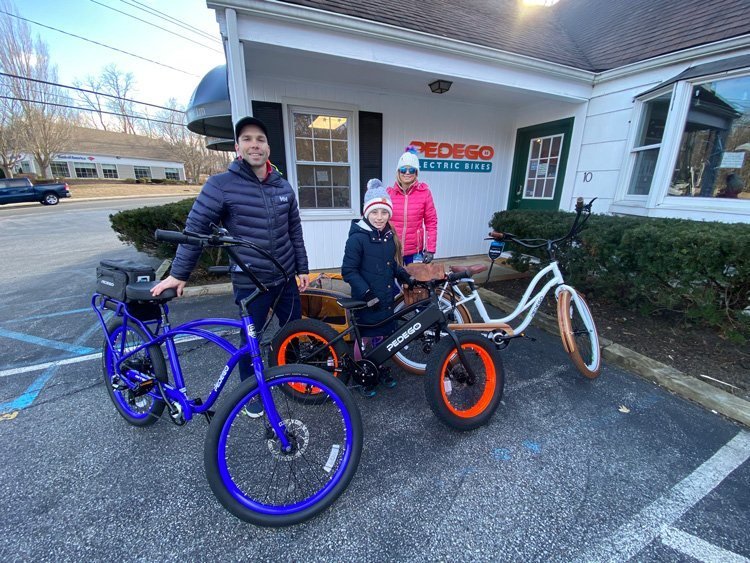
209, 414
143, 387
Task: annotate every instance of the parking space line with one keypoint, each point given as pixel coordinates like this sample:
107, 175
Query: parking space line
654, 519
30, 339
49, 315
699, 549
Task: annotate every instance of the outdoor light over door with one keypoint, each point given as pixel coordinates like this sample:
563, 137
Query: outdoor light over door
440, 86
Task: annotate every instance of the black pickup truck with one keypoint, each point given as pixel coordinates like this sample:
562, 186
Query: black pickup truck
18, 190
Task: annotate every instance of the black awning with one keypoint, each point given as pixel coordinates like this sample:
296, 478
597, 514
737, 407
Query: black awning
209, 111
706, 69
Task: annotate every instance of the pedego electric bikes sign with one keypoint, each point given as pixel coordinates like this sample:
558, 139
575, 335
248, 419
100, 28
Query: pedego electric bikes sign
454, 157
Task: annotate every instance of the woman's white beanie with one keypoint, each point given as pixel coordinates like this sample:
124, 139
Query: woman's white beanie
409, 158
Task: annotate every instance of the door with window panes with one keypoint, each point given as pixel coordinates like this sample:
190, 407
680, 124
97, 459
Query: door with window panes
322, 158
539, 164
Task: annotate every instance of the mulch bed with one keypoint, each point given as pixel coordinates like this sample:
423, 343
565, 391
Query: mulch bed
699, 352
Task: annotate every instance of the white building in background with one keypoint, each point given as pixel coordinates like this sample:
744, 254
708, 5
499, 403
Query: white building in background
644, 105
110, 156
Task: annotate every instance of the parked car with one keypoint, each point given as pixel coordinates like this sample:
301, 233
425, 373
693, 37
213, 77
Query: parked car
18, 190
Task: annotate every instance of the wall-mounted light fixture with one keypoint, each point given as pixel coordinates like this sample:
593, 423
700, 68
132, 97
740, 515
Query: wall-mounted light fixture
440, 86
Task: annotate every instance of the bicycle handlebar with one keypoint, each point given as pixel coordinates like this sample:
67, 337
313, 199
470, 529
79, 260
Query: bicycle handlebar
220, 238
176, 237
577, 227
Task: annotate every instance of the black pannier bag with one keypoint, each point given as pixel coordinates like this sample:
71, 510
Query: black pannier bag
112, 276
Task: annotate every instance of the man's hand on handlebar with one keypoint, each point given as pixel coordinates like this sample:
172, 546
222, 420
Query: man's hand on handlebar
167, 283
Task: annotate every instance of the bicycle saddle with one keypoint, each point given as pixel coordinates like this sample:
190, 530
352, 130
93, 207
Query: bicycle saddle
472, 269
351, 303
141, 291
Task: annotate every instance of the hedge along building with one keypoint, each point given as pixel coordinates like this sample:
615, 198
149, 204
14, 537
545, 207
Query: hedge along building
642, 104
110, 155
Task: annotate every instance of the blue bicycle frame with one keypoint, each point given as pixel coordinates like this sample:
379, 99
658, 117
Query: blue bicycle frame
164, 334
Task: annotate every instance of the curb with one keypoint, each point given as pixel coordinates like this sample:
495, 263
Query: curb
681, 384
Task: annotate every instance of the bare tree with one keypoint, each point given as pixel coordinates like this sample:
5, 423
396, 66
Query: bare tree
121, 85
187, 146
11, 143
95, 101
43, 123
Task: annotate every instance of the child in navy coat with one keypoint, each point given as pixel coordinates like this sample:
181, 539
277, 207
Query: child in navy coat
372, 263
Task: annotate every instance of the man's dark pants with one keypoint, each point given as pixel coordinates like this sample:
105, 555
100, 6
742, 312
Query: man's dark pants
288, 309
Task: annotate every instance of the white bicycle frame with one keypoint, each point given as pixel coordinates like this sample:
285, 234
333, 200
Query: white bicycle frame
528, 302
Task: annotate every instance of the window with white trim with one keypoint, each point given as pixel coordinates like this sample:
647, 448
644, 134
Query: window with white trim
714, 153
109, 171
85, 170
142, 172
59, 169
645, 152
322, 158
171, 174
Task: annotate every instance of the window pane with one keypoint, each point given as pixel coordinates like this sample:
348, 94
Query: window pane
643, 172
322, 151
340, 151
340, 128
142, 172
556, 142
535, 144
321, 127
305, 150
713, 156
341, 198
307, 198
545, 147
549, 188
325, 197
340, 176
654, 117
302, 125
322, 176
85, 170
305, 175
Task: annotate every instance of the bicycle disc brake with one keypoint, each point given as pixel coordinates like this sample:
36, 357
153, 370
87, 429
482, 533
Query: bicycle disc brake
365, 373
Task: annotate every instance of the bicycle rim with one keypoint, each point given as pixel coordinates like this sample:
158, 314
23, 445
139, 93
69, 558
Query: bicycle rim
578, 332
269, 483
463, 398
144, 409
296, 348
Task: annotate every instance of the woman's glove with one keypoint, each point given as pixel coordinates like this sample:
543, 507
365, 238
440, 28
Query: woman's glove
371, 299
427, 257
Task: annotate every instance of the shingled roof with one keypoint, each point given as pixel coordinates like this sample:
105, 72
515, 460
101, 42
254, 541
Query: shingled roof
96, 141
593, 35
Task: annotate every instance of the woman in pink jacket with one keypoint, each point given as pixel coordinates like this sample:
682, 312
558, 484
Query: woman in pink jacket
414, 216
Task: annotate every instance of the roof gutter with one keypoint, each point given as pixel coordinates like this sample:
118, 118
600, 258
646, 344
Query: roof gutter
330, 20
686, 55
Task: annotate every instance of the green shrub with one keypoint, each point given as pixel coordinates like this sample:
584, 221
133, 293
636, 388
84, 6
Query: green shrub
696, 269
130, 181
158, 180
136, 227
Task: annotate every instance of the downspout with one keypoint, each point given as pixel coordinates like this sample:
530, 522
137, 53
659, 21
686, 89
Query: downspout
236, 72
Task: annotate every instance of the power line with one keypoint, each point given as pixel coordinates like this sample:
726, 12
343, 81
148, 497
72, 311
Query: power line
89, 91
97, 43
89, 109
153, 11
156, 26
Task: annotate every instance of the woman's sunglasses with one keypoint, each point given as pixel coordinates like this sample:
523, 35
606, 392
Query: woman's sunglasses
407, 170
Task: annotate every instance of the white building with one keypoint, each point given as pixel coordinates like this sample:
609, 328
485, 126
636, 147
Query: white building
112, 156
642, 104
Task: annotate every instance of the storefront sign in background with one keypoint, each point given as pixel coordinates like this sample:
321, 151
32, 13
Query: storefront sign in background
454, 157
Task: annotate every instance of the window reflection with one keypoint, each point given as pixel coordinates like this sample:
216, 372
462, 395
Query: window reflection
715, 145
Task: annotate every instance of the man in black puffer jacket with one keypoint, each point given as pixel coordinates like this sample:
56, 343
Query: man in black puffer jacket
251, 200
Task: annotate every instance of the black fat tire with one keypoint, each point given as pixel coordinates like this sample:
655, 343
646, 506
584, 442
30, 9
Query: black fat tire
240, 395
283, 351
159, 371
444, 362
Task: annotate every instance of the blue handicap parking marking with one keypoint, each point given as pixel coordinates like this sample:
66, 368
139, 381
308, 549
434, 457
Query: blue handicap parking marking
30, 394
533, 447
501, 454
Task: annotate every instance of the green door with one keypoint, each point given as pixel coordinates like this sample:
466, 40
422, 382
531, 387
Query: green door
541, 157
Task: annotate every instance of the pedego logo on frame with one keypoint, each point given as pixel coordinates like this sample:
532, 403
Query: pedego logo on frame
454, 157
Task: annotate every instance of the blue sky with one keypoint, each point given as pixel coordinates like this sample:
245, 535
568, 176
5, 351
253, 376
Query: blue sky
91, 19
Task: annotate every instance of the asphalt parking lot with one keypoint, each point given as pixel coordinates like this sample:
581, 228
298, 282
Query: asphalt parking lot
563, 472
